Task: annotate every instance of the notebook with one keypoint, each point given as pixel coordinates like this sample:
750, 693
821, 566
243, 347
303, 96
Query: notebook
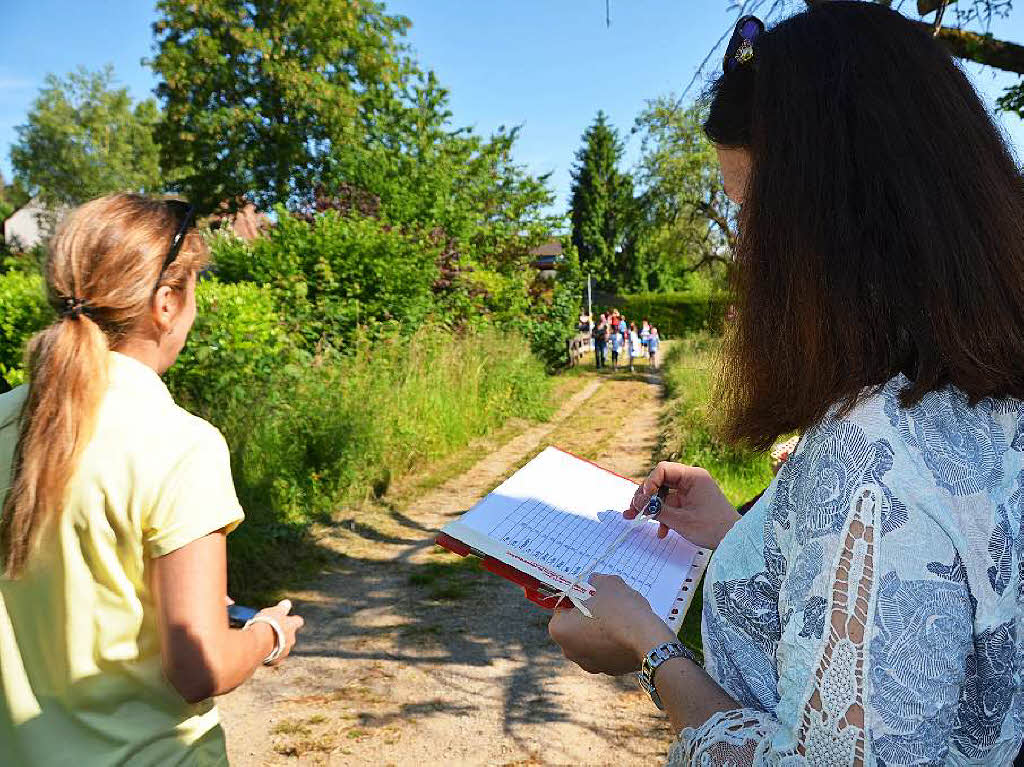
544, 525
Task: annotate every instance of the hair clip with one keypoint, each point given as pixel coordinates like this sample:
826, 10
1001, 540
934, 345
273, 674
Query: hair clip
740, 49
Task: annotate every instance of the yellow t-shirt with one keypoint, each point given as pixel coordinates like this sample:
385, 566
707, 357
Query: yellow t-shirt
80, 672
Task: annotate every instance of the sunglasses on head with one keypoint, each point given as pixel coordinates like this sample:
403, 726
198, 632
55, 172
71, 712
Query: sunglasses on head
186, 213
740, 49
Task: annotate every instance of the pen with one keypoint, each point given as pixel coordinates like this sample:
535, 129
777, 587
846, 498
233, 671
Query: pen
656, 503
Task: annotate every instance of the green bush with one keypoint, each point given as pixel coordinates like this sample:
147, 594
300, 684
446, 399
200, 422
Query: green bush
334, 274
237, 343
23, 311
675, 314
545, 312
345, 426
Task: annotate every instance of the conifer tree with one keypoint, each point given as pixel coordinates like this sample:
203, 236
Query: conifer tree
602, 198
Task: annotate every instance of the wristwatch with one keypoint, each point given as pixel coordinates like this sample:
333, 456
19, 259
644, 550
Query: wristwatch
653, 659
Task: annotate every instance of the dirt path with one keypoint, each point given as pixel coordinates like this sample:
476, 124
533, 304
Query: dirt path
413, 656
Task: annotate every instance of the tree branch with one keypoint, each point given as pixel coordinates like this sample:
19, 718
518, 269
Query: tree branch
719, 220
964, 44
983, 49
924, 7
706, 260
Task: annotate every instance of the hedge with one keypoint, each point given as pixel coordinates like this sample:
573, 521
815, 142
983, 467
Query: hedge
23, 311
236, 344
674, 314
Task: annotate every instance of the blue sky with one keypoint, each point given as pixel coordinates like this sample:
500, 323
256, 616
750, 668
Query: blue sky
547, 65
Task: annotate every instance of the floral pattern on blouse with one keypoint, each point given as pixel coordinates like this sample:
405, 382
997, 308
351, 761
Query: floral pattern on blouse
867, 610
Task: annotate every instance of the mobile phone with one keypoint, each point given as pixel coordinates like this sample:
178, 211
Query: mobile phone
239, 615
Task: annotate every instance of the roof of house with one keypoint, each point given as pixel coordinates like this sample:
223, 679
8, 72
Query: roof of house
552, 248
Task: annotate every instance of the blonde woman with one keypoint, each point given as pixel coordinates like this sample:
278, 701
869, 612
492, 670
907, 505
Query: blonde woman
113, 629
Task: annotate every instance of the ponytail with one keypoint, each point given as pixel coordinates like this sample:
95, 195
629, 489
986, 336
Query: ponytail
67, 366
103, 265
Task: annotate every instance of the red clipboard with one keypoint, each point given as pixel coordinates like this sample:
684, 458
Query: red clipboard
535, 590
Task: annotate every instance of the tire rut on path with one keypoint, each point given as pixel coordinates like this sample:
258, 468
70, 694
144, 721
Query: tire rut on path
412, 656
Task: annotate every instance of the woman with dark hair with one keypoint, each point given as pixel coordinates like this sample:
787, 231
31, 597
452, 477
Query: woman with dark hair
867, 609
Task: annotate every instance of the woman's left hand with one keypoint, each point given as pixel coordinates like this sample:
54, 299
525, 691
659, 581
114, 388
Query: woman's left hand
623, 629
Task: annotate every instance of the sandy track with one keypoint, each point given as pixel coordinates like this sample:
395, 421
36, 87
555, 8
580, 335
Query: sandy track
412, 658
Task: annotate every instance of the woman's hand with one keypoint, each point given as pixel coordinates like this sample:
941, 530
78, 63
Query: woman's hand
695, 507
290, 624
622, 631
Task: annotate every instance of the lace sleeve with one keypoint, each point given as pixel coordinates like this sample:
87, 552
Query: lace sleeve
880, 639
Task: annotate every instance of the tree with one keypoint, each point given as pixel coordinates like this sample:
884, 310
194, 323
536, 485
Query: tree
688, 222
85, 138
423, 170
12, 197
601, 203
257, 93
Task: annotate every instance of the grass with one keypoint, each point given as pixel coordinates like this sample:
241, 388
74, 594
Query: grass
344, 429
448, 580
687, 430
688, 436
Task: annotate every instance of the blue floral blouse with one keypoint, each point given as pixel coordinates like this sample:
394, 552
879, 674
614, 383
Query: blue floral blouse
867, 610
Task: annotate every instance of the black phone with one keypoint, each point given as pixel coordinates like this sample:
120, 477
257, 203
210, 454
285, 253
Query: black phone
239, 615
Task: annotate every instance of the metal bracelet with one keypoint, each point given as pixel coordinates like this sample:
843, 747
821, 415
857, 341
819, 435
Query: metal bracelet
280, 641
654, 659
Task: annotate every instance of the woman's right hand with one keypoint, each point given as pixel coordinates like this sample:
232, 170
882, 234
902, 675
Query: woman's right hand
290, 624
695, 506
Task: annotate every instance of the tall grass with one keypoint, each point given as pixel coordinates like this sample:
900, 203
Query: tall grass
343, 428
687, 431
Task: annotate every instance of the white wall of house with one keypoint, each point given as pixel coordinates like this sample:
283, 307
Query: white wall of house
23, 229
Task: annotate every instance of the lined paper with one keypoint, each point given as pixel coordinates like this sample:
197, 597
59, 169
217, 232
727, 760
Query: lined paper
553, 516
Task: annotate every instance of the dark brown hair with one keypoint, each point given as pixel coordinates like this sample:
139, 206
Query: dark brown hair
882, 229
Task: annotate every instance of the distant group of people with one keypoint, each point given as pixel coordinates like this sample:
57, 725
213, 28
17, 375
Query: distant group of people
625, 339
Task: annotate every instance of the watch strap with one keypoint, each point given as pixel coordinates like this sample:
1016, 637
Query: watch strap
653, 659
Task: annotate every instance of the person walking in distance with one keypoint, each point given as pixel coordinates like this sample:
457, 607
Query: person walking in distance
600, 342
653, 342
617, 341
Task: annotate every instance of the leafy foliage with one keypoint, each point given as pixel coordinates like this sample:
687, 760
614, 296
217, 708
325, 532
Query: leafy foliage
23, 312
85, 138
316, 436
12, 197
237, 344
675, 314
602, 198
687, 222
552, 318
257, 93
1013, 99
330, 275
422, 170
393, 210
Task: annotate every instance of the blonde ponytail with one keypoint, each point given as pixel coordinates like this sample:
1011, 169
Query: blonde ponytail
104, 262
